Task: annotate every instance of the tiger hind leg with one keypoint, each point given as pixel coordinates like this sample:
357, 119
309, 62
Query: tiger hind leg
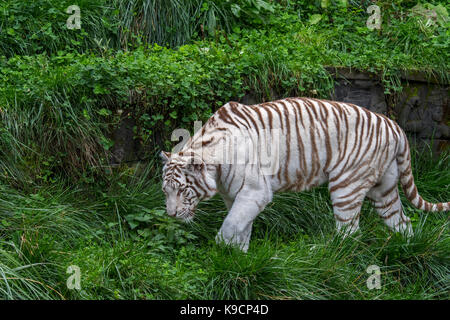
347, 204
386, 201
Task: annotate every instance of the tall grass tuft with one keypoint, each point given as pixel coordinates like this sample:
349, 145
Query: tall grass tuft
168, 23
21, 280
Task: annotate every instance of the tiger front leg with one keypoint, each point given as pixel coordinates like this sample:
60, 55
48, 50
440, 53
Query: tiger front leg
237, 226
235, 235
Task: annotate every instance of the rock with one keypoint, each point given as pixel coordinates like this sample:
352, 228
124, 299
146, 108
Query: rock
125, 146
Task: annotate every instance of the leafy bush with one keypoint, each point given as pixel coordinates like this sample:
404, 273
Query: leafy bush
65, 103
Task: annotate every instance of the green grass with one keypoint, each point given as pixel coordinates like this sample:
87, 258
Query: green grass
127, 248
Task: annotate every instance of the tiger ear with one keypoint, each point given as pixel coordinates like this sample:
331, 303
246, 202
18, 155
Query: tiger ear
164, 156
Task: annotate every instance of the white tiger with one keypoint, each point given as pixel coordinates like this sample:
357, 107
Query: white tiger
360, 153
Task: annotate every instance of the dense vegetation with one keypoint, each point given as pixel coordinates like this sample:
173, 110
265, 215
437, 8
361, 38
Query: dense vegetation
165, 64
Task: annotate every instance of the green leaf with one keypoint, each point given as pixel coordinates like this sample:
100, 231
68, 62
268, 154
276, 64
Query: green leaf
173, 114
104, 112
5, 223
133, 224
236, 10
315, 18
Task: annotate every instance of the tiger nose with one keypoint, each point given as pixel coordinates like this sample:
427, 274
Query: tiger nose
172, 213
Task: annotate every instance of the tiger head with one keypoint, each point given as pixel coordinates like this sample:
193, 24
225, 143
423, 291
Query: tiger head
186, 182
